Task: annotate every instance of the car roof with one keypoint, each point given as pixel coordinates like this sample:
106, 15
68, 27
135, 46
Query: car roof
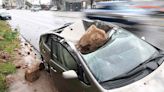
75, 31
105, 3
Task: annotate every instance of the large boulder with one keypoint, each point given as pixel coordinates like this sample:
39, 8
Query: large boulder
32, 73
91, 40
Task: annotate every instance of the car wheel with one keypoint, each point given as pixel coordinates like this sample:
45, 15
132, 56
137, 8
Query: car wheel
43, 65
10, 18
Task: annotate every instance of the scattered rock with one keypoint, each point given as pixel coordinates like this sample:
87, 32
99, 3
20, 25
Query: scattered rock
2, 61
25, 44
24, 66
28, 53
35, 90
31, 49
16, 49
19, 53
32, 73
17, 65
16, 29
4, 55
10, 79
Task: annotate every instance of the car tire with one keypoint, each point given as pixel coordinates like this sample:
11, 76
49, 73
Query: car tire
43, 65
10, 18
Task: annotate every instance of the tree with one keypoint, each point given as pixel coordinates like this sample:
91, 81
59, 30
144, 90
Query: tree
3, 5
39, 2
91, 2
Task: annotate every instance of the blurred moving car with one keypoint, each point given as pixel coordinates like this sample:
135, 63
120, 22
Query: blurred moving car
118, 12
8, 8
158, 10
5, 16
35, 8
54, 8
124, 63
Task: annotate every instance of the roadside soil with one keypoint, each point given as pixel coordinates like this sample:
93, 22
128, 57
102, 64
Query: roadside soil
25, 57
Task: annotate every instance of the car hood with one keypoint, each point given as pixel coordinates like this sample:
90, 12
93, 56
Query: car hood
154, 82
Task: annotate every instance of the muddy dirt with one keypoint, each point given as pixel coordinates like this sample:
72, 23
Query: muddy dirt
26, 56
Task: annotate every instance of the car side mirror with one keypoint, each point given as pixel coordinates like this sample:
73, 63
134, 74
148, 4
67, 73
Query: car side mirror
70, 74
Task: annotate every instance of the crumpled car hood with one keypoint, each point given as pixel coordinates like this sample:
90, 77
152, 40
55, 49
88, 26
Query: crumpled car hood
154, 82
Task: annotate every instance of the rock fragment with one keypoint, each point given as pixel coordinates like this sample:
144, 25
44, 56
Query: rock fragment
32, 73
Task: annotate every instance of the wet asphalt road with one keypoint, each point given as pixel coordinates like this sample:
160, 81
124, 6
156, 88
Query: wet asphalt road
33, 24
152, 34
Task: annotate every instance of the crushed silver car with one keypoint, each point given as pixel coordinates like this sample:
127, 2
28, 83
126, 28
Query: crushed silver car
125, 63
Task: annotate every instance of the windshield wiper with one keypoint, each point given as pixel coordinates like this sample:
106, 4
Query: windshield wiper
148, 64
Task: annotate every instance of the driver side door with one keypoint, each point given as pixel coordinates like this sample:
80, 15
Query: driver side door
62, 60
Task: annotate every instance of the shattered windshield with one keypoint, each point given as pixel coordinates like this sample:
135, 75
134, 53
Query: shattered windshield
122, 53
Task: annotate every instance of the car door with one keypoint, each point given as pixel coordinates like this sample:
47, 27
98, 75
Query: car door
62, 60
45, 47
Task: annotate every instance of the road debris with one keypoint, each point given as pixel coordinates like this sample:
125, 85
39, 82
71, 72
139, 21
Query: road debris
4, 55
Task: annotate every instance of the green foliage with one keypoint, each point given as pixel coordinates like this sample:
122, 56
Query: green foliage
2, 83
7, 68
9, 42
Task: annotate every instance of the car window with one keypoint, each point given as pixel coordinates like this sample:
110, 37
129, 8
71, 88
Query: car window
48, 41
54, 50
63, 56
105, 7
66, 58
114, 7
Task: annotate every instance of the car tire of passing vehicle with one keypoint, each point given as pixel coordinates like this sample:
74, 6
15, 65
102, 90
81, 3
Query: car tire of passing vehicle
10, 18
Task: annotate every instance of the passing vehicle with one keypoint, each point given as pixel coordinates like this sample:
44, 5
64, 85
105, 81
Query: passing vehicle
121, 13
125, 63
54, 8
155, 6
35, 8
5, 16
